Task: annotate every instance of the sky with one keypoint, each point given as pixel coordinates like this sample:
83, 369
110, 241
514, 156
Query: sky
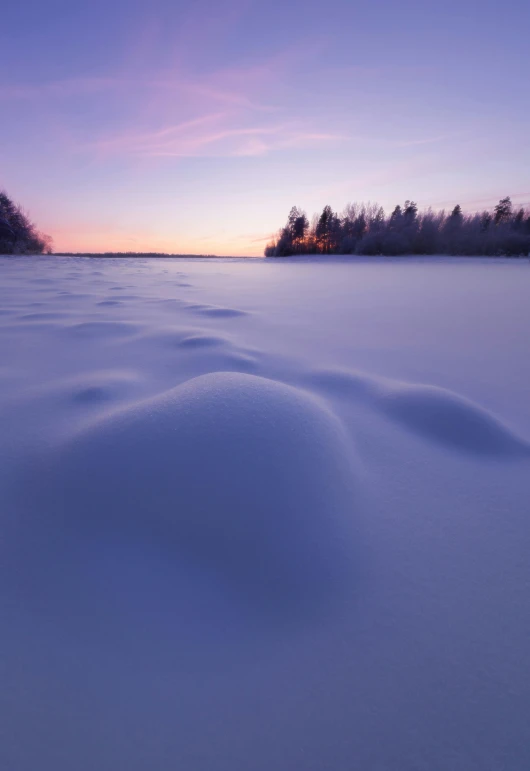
195, 127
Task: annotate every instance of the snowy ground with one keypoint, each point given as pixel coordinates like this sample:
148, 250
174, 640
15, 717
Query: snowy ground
317, 562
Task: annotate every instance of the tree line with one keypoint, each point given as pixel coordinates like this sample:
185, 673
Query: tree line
365, 229
18, 235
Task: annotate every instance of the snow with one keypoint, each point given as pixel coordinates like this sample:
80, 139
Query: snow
250, 478
264, 514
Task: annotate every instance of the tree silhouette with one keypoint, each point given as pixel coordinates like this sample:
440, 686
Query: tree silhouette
364, 229
18, 235
297, 223
325, 228
396, 217
518, 220
503, 211
410, 212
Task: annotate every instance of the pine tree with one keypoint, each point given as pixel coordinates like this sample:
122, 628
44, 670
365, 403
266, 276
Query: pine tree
503, 211
456, 215
410, 213
324, 228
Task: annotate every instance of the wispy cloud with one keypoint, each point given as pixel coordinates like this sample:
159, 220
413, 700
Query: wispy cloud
473, 204
423, 140
226, 86
214, 135
228, 112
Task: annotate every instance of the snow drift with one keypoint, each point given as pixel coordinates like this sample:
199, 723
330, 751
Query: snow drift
437, 414
264, 515
252, 478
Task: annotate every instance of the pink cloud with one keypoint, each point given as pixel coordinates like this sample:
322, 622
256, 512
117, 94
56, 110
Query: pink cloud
227, 133
227, 112
236, 87
487, 202
198, 138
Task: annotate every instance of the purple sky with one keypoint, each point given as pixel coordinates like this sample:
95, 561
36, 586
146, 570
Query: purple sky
194, 127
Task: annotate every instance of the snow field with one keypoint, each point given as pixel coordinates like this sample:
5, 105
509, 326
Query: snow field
261, 515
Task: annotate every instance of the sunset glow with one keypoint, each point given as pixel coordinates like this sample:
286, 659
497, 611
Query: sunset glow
195, 128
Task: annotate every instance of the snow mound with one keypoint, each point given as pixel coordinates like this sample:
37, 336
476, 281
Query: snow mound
202, 341
97, 387
101, 329
249, 478
435, 413
214, 311
343, 383
211, 352
187, 338
45, 316
71, 296
453, 420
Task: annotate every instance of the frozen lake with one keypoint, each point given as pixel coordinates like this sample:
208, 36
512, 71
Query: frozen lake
316, 560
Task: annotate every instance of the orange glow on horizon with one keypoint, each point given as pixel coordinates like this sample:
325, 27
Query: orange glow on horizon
95, 241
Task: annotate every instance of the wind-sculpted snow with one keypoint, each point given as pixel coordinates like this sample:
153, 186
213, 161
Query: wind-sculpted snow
450, 419
202, 341
203, 350
215, 312
432, 412
43, 316
237, 532
253, 478
101, 330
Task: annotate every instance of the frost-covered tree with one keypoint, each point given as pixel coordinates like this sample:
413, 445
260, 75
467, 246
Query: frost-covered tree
396, 218
485, 220
297, 224
18, 235
503, 211
518, 220
456, 215
327, 230
364, 229
410, 212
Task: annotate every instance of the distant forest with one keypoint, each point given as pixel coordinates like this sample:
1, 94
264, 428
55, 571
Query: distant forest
365, 229
362, 229
18, 235
128, 255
